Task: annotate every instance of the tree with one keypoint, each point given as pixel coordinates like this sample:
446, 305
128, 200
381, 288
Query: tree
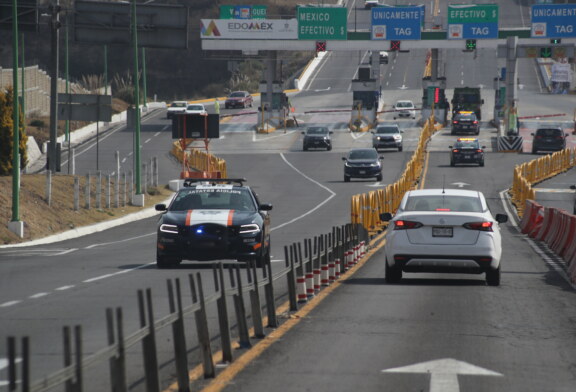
7, 135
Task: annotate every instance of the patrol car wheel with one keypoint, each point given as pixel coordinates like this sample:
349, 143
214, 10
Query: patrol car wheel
346, 179
379, 177
263, 260
166, 262
482, 163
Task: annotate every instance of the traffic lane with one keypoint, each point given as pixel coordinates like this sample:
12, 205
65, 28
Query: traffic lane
335, 71
527, 130
470, 69
100, 153
433, 317
404, 71
429, 317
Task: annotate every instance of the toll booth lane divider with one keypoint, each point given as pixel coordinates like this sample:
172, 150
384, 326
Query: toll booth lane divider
554, 227
530, 173
367, 207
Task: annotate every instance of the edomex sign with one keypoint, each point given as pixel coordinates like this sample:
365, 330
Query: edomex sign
472, 21
553, 20
319, 23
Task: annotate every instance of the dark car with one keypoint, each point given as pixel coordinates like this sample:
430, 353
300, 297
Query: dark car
548, 139
465, 122
362, 163
317, 137
387, 136
467, 150
238, 99
213, 219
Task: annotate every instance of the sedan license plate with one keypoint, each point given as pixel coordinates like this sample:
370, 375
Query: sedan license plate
442, 232
362, 171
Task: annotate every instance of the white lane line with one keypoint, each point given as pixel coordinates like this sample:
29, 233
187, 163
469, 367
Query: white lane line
147, 140
63, 252
9, 303
124, 160
266, 138
332, 194
121, 241
39, 295
116, 273
65, 288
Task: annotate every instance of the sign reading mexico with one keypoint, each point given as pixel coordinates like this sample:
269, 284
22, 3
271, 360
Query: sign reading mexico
397, 23
249, 29
322, 23
553, 20
473, 21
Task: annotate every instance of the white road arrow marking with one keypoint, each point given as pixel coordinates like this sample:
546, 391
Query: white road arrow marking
377, 184
460, 184
444, 373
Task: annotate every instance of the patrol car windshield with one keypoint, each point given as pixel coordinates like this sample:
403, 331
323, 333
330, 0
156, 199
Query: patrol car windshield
213, 198
195, 107
178, 105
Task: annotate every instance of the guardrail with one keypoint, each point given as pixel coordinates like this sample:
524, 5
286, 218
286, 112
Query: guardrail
530, 173
367, 207
325, 259
556, 228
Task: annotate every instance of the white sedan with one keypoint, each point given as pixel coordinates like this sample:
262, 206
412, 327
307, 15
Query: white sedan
443, 230
196, 108
404, 108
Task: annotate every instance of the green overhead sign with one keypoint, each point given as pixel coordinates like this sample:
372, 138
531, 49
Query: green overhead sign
319, 23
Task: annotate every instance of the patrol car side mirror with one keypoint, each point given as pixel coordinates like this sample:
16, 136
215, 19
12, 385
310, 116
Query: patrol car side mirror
572, 186
332, 132
450, 146
265, 207
344, 158
303, 133
483, 147
385, 217
381, 158
160, 207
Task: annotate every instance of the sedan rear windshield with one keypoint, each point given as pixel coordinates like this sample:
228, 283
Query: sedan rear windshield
444, 203
317, 131
549, 132
238, 94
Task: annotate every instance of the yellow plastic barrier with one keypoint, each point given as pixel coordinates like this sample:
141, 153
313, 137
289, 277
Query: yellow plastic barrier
530, 173
366, 208
200, 160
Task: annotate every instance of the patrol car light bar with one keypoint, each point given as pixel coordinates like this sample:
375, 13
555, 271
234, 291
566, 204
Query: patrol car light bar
191, 181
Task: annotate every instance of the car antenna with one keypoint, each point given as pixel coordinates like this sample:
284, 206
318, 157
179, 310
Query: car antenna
444, 184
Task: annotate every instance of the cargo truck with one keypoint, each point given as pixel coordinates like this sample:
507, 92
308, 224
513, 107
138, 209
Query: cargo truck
468, 99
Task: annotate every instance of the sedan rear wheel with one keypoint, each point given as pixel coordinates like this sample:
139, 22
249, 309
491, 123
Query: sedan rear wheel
393, 274
493, 277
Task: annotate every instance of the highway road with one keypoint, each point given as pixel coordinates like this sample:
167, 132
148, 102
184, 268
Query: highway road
516, 337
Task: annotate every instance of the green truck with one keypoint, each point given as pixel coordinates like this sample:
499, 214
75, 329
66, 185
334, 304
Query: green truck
467, 99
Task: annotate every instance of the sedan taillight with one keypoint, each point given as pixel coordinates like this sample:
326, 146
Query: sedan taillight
480, 226
405, 225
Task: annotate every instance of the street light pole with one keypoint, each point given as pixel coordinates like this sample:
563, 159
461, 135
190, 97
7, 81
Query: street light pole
139, 195
55, 26
15, 119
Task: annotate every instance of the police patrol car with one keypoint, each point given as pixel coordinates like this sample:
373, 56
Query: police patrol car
213, 219
467, 150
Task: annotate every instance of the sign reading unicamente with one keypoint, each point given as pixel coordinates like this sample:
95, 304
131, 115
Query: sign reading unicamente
322, 23
553, 20
473, 21
396, 23
249, 29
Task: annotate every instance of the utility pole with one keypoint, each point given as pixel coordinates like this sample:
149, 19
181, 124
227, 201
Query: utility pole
16, 226
139, 197
55, 26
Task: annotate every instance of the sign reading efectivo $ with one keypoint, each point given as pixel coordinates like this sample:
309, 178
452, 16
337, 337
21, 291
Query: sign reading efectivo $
319, 23
472, 21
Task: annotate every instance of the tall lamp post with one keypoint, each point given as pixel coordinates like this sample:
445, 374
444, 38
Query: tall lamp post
15, 225
139, 197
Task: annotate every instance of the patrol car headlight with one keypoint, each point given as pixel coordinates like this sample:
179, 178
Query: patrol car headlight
251, 228
396, 137
165, 228
375, 164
